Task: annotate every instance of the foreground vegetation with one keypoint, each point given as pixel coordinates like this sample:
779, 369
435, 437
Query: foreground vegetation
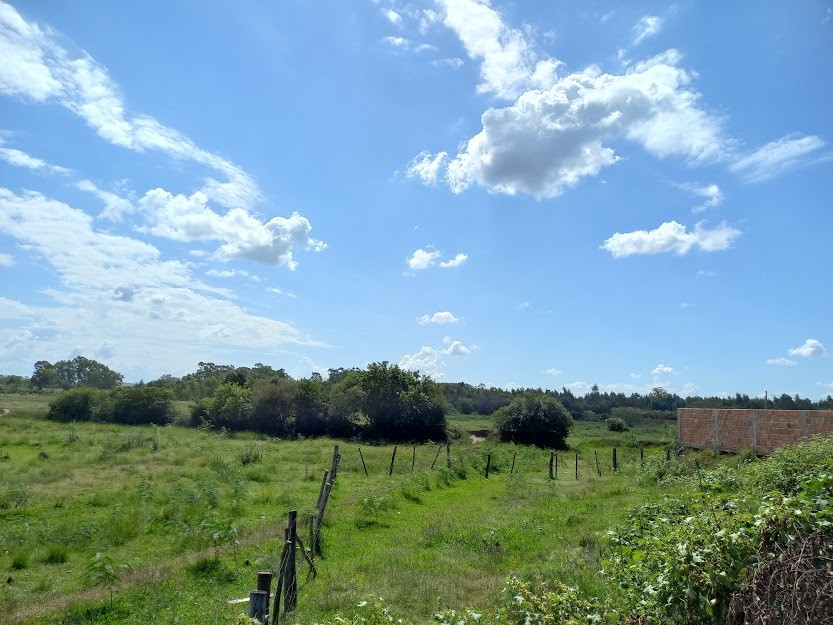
127, 524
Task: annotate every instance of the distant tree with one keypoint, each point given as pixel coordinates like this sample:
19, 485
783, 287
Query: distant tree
230, 407
615, 424
44, 375
82, 371
310, 407
345, 404
536, 419
81, 404
401, 405
273, 407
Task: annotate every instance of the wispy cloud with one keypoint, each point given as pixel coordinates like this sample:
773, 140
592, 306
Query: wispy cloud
671, 237
648, 26
438, 318
776, 157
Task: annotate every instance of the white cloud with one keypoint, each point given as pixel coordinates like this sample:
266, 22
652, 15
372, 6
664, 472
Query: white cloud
776, 157
438, 318
688, 389
423, 259
711, 193
115, 207
452, 62
392, 16
550, 139
810, 348
431, 361
37, 67
509, 63
578, 386
398, 42
671, 237
6, 260
646, 27
825, 385
427, 167
18, 158
553, 372
604, 19
458, 260
226, 273
110, 282
786, 362
189, 218
661, 369
706, 274
635, 376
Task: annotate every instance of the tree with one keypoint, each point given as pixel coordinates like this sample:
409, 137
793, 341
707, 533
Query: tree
310, 408
402, 405
82, 371
142, 405
536, 419
44, 375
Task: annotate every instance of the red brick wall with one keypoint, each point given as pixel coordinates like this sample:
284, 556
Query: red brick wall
761, 430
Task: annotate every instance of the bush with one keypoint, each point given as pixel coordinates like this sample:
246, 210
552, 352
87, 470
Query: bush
80, 404
536, 419
615, 424
142, 405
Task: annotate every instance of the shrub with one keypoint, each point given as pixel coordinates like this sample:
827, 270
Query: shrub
534, 418
142, 405
614, 424
80, 404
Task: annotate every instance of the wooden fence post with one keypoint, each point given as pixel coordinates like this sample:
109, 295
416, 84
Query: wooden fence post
668, 454
576, 465
556, 466
615, 463
448, 455
598, 466
641, 458
258, 605
413, 460
364, 466
512, 471
290, 597
392, 458
552, 455
439, 449
276, 604
488, 464
336, 462
323, 488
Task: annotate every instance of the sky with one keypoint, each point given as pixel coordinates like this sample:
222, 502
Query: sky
513, 193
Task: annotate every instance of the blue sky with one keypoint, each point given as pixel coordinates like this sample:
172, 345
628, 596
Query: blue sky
509, 193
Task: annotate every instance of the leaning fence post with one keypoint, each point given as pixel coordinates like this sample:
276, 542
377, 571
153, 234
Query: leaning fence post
598, 466
392, 458
364, 466
321, 491
312, 535
290, 597
615, 464
413, 460
439, 449
336, 462
488, 464
276, 604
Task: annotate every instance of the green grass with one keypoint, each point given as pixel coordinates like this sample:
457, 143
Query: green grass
166, 517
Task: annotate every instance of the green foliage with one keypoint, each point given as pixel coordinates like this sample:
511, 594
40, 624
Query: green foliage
614, 424
142, 405
82, 371
80, 404
20, 560
230, 407
56, 554
536, 419
402, 405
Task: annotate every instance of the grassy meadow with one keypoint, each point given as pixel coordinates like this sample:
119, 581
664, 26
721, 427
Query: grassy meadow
127, 525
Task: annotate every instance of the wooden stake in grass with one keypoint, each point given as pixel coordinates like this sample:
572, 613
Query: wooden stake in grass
598, 466
668, 454
576, 465
641, 458
364, 466
290, 597
392, 458
439, 449
552, 455
556, 466
276, 604
512, 471
488, 464
336, 462
615, 463
413, 460
321, 491
448, 455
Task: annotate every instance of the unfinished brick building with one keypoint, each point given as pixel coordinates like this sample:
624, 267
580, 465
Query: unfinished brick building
763, 431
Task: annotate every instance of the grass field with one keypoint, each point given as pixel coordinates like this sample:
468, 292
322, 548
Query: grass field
183, 518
